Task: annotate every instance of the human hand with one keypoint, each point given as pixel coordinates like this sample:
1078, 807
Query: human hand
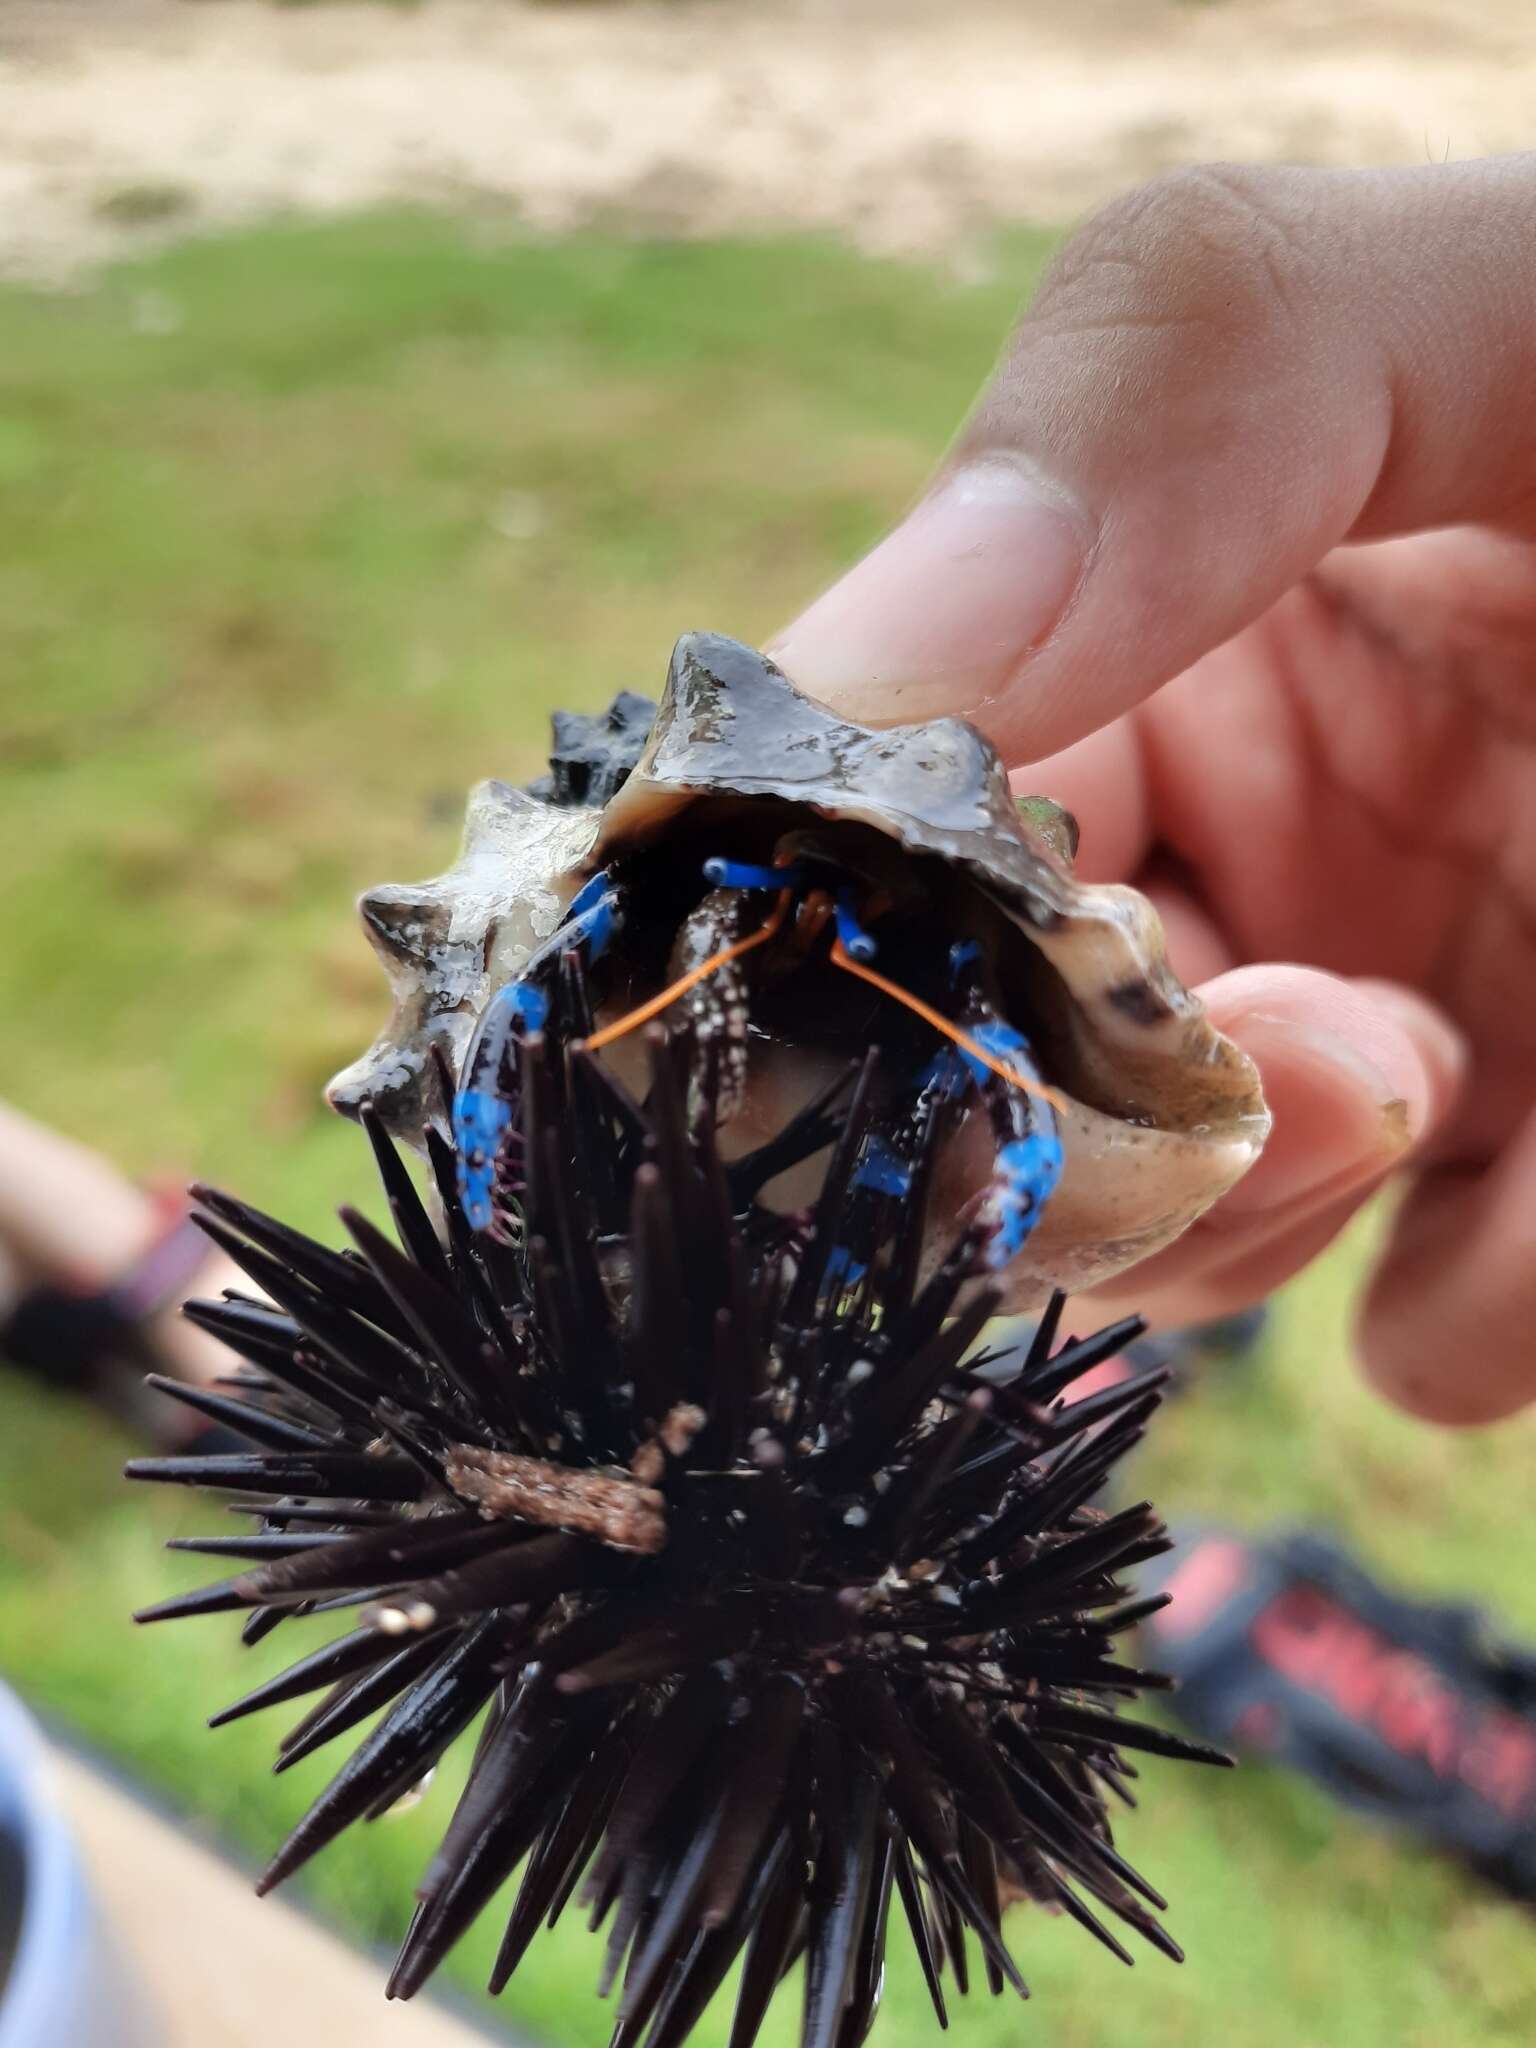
1239, 549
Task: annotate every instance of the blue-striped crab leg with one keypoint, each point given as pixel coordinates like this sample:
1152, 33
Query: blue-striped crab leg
1029, 1151
721, 873
857, 943
996, 1059
483, 1109
988, 1053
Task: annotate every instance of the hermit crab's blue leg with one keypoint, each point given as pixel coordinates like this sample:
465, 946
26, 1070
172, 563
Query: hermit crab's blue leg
483, 1107
881, 1177
998, 1061
1023, 1181
889, 1176
1029, 1151
857, 943
721, 873
592, 917
482, 1110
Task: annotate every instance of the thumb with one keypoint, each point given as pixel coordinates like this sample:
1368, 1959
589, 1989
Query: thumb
1221, 378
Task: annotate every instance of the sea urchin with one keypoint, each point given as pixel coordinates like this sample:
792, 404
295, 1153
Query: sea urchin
772, 1593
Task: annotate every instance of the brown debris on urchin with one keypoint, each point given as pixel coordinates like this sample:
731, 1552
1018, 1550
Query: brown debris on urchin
773, 1597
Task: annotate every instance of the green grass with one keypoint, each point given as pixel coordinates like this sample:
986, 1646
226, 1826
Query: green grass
305, 530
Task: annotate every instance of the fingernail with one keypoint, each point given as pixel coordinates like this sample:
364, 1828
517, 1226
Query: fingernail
942, 613
1345, 1111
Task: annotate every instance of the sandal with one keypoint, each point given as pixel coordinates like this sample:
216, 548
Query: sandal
1409, 1712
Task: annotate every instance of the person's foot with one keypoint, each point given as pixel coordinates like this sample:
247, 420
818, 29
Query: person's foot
1409, 1711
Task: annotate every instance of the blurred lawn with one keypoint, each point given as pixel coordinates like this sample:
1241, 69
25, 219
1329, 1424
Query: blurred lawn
302, 532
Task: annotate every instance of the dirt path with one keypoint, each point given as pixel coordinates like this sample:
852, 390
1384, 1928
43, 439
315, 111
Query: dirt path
905, 122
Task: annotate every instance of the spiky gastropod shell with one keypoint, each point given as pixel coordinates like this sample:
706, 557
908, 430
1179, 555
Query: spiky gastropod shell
448, 944
1163, 1114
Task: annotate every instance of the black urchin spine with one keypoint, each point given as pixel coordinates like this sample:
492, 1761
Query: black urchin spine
777, 1601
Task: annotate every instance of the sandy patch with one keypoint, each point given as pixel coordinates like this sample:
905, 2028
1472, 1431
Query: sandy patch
908, 124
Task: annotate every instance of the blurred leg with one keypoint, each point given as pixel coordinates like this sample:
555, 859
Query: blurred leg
66, 1213
70, 1220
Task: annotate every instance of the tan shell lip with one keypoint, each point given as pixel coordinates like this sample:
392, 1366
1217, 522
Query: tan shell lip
1167, 1112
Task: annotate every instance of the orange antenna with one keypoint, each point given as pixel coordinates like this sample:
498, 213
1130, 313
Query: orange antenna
692, 978
841, 958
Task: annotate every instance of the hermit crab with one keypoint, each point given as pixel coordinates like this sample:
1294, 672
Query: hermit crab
788, 888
